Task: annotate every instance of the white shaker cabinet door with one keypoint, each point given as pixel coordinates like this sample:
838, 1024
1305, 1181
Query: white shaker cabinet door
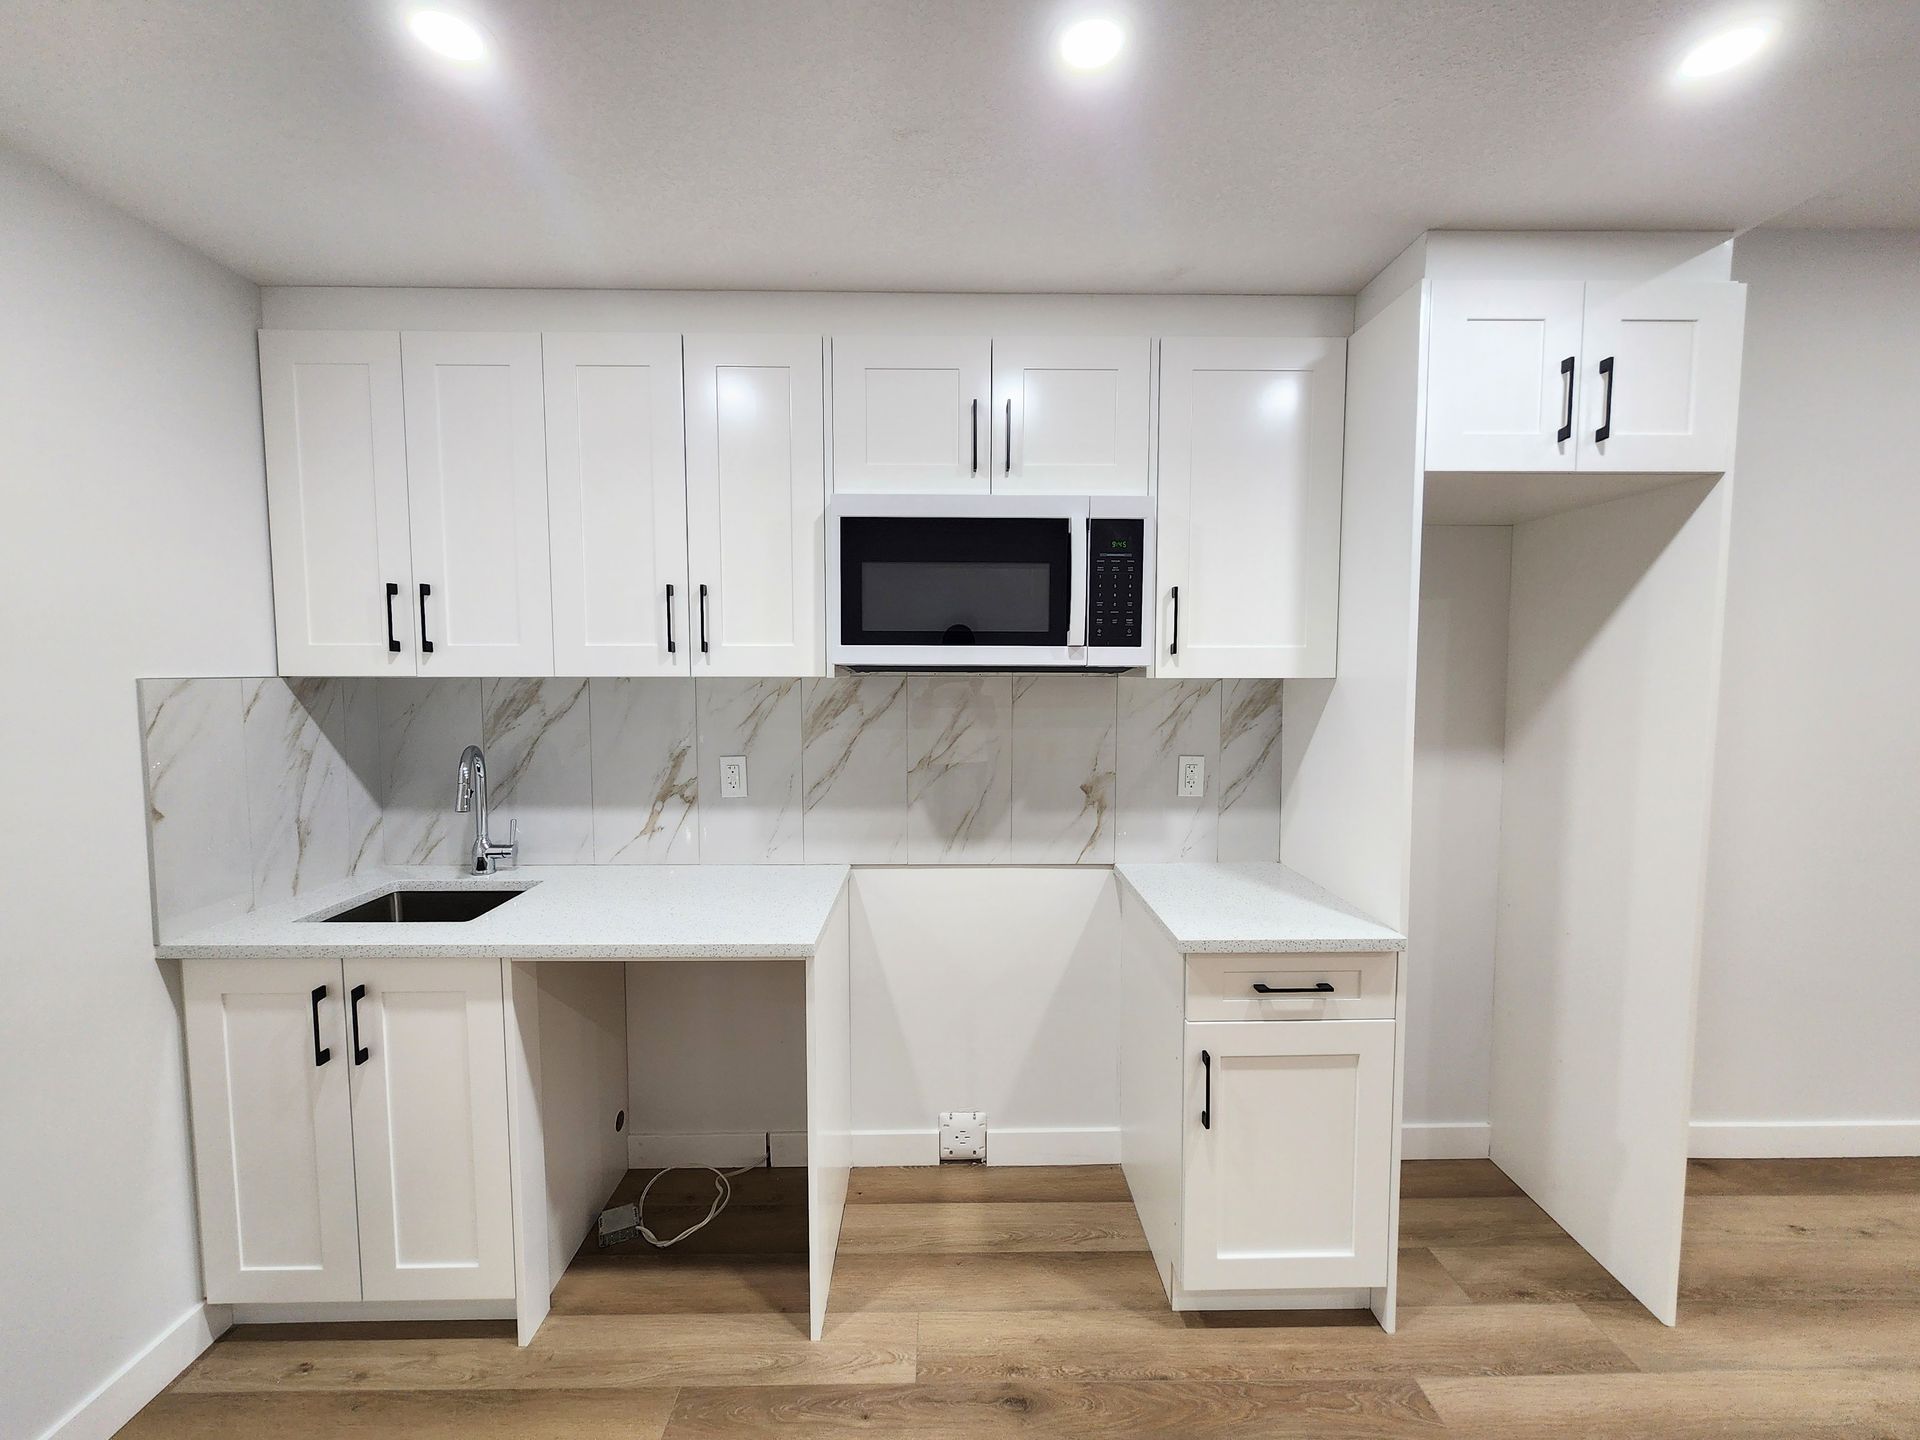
1071, 416
1662, 376
1251, 436
336, 456
429, 1068
477, 486
1288, 1155
617, 502
267, 1063
1502, 368
910, 414
756, 494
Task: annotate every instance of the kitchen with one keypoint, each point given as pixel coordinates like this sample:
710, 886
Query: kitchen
1166, 746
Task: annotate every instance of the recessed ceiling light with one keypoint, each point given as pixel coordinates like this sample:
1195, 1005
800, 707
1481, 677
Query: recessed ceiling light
1724, 51
449, 35
1092, 44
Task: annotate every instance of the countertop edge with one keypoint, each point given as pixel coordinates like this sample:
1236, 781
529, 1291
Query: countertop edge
1388, 941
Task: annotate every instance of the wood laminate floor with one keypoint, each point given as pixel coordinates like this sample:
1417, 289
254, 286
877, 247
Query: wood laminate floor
990, 1302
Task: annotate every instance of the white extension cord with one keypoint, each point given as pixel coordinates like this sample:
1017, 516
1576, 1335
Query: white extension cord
722, 1193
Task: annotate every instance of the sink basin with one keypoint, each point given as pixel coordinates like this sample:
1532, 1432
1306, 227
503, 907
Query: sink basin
402, 906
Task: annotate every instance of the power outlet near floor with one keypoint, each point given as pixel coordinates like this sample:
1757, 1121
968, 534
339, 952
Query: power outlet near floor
733, 777
963, 1137
1193, 776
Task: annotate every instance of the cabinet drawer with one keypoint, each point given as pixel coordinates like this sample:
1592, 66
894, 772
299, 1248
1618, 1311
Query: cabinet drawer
1305, 987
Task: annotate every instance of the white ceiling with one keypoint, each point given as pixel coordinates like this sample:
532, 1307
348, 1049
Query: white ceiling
1250, 145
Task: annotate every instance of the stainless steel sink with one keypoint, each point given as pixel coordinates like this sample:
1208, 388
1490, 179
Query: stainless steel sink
401, 906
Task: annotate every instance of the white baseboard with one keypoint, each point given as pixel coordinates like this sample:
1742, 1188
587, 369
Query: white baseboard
327, 1312
143, 1377
1445, 1140
726, 1151
1801, 1139
1089, 1145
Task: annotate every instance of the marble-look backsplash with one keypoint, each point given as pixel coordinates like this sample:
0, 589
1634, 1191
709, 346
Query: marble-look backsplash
260, 789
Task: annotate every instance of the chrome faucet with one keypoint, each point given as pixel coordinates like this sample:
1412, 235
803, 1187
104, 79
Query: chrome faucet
472, 795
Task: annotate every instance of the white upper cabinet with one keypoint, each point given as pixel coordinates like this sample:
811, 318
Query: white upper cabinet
1251, 435
910, 414
1289, 1150
267, 1062
1501, 376
1071, 416
1662, 376
756, 495
337, 498
1556, 376
617, 501
477, 489
429, 1082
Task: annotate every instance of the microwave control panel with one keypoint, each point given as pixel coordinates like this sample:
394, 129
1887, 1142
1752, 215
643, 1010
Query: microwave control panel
1115, 602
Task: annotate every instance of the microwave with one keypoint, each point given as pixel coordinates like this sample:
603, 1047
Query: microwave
989, 582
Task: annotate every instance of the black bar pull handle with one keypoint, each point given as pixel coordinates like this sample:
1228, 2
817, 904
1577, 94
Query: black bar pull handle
976, 437
321, 1054
1206, 1104
671, 647
393, 641
1173, 648
426, 645
354, 997
1323, 988
1566, 401
1009, 437
1606, 408
705, 648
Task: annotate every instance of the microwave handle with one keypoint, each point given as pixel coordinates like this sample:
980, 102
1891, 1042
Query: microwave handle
1082, 579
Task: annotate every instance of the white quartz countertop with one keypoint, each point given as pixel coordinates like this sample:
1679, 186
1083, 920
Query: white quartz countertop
1254, 908
568, 912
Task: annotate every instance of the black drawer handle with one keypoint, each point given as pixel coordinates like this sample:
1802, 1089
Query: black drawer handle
1566, 401
705, 649
1009, 437
1606, 410
360, 1052
426, 645
1174, 647
1206, 1105
321, 1054
976, 437
1323, 988
393, 641
671, 647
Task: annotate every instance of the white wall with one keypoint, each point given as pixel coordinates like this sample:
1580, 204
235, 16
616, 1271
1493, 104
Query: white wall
1811, 986
1458, 739
135, 544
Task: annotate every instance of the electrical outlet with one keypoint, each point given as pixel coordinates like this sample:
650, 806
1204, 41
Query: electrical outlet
733, 776
1193, 776
963, 1136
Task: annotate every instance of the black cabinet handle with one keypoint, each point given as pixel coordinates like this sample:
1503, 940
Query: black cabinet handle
426, 645
1174, 647
321, 1054
704, 647
1009, 437
671, 647
976, 437
1606, 409
1206, 1105
355, 996
1323, 988
1566, 401
393, 641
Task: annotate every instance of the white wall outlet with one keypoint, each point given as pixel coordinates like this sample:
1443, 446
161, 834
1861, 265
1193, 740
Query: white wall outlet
963, 1135
733, 776
1193, 776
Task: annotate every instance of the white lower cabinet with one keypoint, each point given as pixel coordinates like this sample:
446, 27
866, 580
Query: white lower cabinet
1288, 1145
350, 1132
